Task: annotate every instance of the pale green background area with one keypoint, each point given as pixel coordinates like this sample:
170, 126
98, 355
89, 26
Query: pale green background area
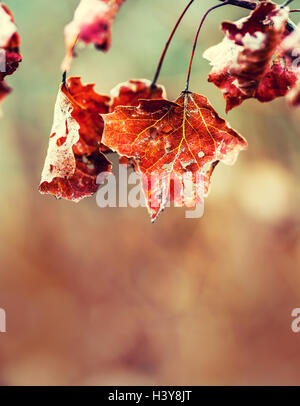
102, 296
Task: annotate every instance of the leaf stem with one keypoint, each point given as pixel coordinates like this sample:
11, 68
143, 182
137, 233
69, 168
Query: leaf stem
287, 3
225, 3
162, 57
247, 4
64, 78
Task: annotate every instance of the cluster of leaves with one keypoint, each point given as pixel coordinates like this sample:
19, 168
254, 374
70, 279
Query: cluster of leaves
257, 58
153, 135
9, 49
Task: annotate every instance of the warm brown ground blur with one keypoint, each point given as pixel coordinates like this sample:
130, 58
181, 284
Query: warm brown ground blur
102, 296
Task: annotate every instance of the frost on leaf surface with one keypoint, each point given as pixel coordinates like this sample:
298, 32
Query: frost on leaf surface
74, 159
172, 144
242, 64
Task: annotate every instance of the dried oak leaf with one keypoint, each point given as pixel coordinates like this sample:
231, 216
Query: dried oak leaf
242, 63
175, 146
91, 24
74, 160
9, 48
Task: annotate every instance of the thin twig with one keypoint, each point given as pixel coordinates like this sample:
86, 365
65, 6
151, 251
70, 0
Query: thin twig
161, 60
287, 3
247, 4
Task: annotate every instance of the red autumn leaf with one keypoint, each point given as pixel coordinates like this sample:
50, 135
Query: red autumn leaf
9, 48
278, 80
129, 93
74, 160
87, 108
243, 60
169, 141
91, 24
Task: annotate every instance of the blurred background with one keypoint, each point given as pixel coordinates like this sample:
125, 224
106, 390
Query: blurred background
102, 296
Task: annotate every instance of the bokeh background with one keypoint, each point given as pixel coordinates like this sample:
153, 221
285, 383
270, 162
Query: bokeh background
102, 296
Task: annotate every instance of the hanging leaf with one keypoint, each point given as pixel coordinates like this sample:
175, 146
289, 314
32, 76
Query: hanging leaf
242, 62
91, 24
172, 145
74, 160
